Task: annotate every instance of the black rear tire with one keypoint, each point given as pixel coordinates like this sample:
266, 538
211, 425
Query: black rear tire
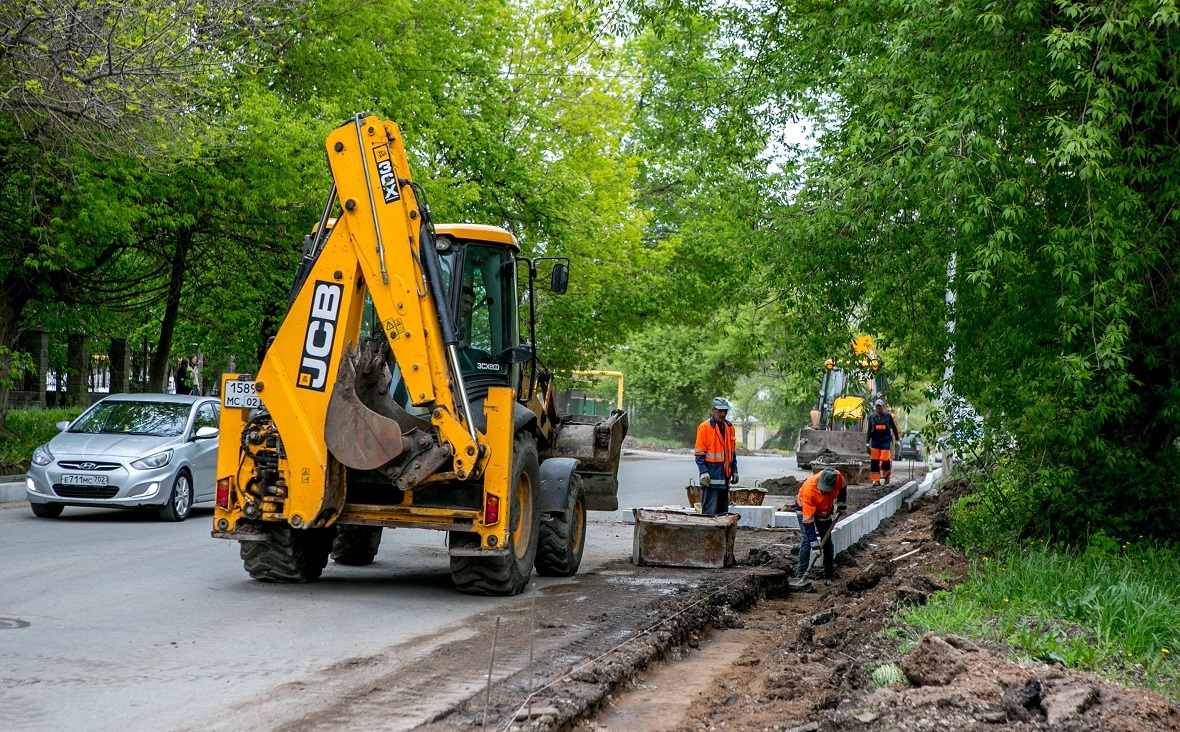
509, 574
356, 545
563, 536
289, 555
47, 510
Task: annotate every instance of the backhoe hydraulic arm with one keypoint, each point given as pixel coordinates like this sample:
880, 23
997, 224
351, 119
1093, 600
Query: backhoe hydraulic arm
380, 244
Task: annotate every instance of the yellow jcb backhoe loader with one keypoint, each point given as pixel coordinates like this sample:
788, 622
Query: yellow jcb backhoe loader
397, 393
837, 422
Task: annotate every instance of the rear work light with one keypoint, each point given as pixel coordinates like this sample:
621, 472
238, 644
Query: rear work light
491, 510
223, 486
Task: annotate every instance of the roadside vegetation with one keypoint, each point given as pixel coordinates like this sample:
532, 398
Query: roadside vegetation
28, 428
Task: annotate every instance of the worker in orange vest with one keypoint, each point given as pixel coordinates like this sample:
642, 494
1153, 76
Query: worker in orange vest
814, 505
716, 453
882, 431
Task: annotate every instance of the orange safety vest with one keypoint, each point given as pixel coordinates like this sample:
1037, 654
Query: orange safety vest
714, 447
815, 502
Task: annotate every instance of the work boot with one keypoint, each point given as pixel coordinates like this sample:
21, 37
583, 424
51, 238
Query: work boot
876, 482
887, 481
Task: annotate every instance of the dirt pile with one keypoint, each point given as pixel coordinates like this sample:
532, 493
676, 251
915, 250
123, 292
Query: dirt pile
787, 486
958, 684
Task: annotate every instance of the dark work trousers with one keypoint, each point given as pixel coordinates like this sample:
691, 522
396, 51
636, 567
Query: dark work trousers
821, 527
714, 501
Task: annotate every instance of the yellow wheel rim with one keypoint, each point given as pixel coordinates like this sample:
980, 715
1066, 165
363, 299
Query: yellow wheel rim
576, 527
524, 522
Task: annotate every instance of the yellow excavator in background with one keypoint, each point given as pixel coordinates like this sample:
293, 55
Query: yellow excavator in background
837, 421
397, 393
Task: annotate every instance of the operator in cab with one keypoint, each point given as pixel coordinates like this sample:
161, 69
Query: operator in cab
716, 454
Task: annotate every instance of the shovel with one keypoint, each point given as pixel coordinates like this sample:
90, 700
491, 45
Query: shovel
804, 583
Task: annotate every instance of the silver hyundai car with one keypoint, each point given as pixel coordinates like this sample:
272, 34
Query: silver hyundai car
154, 451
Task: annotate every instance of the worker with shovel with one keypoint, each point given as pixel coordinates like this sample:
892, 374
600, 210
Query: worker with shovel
821, 499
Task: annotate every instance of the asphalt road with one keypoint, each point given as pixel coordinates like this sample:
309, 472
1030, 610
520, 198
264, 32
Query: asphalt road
135, 624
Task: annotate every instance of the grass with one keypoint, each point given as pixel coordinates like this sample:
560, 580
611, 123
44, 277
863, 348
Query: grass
28, 428
1111, 609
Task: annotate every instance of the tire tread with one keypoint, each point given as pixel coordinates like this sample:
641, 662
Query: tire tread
289, 556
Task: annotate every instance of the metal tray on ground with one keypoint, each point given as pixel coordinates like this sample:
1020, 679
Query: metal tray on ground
679, 539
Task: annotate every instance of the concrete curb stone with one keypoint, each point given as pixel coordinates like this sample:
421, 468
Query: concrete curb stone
12, 488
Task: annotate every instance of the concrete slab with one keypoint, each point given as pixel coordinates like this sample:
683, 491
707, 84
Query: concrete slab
757, 517
785, 520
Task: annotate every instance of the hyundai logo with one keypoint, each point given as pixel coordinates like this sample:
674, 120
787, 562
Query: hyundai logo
88, 466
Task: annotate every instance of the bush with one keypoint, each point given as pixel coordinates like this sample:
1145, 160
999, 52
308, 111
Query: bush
1018, 498
27, 429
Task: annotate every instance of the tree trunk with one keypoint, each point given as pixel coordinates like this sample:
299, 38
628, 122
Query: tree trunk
162, 356
13, 297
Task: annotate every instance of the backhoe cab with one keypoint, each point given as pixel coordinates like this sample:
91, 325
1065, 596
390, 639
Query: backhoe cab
397, 393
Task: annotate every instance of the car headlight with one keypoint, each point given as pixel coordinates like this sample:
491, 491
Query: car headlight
159, 460
42, 456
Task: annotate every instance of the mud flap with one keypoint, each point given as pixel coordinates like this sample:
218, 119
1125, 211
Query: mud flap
555, 484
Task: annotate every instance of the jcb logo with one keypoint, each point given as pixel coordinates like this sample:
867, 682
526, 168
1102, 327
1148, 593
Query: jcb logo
321, 329
386, 173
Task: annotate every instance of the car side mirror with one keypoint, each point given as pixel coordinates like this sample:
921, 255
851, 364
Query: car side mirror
559, 281
63, 426
520, 354
205, 433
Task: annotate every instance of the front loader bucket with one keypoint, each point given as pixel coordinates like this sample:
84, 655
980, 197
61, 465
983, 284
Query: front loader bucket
835, 445
597, 444
357, 435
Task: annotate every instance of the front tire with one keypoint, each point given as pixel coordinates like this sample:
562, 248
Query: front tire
509, 574
563, 536
180, 499
47, 510
356, 545
289, 556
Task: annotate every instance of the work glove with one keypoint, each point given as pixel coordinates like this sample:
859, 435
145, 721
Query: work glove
869, 449
706, 481
841, 507
815, 545
734, 479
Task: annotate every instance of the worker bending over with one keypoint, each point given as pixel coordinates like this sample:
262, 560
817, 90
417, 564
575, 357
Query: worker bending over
882, 432
716, 453
818, 495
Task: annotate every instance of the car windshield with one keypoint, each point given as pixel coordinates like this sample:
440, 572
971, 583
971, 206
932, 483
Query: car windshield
158, 419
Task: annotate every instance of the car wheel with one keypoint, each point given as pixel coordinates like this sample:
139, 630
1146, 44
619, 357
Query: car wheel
180, 500
47, 510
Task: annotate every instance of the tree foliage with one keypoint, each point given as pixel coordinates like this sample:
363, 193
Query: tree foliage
1033, 145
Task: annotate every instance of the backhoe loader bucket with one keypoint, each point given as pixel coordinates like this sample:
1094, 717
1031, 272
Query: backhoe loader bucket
596, 443
356, 433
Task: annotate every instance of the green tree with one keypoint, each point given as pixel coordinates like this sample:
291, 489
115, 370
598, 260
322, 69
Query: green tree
1027, 149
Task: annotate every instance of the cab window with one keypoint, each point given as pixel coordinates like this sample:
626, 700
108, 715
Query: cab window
481, 329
